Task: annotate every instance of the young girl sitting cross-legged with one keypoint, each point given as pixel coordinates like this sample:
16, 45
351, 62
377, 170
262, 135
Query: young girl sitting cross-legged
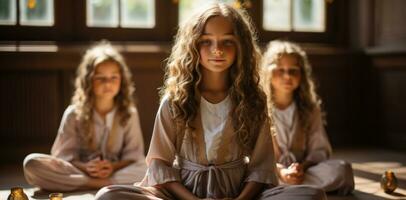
211, 137
99, 141
301, 144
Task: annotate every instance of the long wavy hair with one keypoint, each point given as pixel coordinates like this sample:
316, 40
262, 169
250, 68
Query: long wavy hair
83, 98
183, 75
305, 95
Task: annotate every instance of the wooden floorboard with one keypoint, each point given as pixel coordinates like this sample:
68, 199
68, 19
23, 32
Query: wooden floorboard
368, 165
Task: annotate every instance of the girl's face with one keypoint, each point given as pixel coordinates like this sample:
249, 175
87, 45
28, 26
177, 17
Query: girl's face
217, 45
106, 80
287, 75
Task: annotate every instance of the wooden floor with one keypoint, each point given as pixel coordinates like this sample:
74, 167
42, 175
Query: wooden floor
368, 165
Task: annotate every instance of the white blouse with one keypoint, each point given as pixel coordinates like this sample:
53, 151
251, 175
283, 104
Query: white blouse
214, 118
103, 129
312, 145
284, 123
127, 143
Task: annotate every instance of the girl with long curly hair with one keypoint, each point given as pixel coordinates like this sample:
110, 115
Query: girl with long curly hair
301, 144
211, 137
99, 141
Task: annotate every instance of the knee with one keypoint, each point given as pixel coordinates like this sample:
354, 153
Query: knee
35, 164
346, 167
341, 165
31, 166
104, 194
31, 162
340, 162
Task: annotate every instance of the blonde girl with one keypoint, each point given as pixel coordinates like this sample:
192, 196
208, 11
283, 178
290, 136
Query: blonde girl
301, 144
211, 137
99, 141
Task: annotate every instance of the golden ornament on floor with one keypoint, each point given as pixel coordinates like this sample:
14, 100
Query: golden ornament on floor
389, 182
55, 196
17, 193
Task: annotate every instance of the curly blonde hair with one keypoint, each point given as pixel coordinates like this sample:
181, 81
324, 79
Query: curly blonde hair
83, 98
183, 74
305, 95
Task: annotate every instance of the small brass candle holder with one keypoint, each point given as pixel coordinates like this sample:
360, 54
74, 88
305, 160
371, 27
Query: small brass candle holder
389, 182
17, 193
55, 196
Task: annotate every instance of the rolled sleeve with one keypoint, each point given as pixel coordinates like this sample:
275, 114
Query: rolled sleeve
66, 143
162, 151
159, 173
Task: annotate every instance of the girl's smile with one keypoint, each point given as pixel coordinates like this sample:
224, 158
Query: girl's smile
217, 60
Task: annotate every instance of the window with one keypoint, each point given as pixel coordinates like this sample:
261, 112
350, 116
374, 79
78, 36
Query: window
321, 21
123, 13
124, 20
8, 12
314, 21
102, 13
186, 7
90, 20
42, 20
31, 12
138, 13
294, 15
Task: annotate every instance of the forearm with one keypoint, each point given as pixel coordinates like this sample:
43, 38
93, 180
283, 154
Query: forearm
80, 165
250, 190
121, 164
307, 164
178, 190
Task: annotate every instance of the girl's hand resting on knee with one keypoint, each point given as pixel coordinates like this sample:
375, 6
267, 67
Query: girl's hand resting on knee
293, 175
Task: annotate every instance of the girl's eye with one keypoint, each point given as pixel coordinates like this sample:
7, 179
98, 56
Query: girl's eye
104, 79
294, 72
228, 42
205, 43
114, 78
99, 78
